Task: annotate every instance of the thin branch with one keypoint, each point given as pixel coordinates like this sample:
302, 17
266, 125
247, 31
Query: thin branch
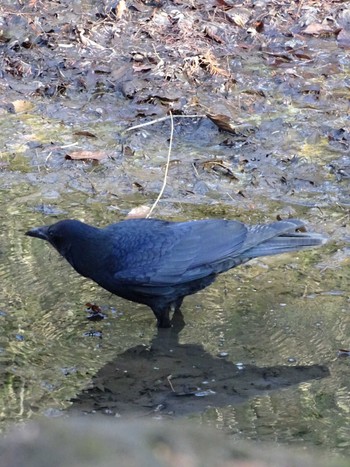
166, 167
171, 116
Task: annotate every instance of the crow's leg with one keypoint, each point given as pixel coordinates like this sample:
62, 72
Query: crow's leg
177, 320
176, 305
162, 314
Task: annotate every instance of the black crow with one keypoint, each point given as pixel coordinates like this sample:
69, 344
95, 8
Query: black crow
158, 263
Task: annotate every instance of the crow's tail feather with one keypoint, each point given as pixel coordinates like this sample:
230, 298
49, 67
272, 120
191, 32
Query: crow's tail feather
285, 243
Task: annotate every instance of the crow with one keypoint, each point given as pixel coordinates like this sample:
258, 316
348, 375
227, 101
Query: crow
158, 263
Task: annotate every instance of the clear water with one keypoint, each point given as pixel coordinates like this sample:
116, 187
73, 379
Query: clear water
281, 311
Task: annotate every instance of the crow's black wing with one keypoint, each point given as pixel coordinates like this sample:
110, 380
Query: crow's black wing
183, 252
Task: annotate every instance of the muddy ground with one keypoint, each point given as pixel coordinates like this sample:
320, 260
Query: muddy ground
267, 81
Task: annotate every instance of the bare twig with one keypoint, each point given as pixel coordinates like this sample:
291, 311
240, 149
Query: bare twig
171, 116
170, 383
166, 167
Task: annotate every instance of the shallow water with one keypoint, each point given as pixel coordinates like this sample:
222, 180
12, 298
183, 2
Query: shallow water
285, 311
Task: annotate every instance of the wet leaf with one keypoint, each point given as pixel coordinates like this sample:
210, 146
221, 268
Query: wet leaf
87, 155
122, 73
319, 29
142, 68
120, 9
93, 333
239, 16
343, 39
259, 26
84, 133
96, 316
224, 122
128, 151
219, 166
302, 55
92, 307
138, 212
343, 353
138, 186
210, 63
95, 312
211, 32
20, 106
223, 5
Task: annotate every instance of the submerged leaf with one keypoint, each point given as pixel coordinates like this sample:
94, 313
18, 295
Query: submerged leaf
86, 155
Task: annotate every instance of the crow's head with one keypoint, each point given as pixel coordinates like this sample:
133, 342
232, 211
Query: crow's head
62, 234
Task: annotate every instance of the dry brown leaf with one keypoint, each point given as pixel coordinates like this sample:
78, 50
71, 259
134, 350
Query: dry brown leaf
21, 106
259, 26
239, 16
211, 32
224, 122
318, 29
219, 166
140, 211
343, 39
120, 10
302, 56
209, 62
86, 155
84, 133
223, 5
144, 67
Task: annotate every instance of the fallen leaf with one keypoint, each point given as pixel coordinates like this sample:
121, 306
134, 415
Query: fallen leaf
139, 211
211, 32
21, 106
142, 68
224, 122
120, 9
223, 4
95, 312
343, 39
259, 26
238, 16
86, 155
84, 133
302, 56
127, 151
138, 186
92, 307
343, 353
219, 166
318, 29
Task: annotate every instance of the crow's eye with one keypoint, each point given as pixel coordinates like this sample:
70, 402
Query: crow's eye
50, 233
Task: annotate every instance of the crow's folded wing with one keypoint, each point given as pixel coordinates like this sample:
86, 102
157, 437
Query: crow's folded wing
197, 250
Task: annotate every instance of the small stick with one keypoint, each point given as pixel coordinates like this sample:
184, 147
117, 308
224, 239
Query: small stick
171, 116
166, 167
170, 383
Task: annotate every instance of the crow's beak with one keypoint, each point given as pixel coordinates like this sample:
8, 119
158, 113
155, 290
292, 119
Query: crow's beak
39, 232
